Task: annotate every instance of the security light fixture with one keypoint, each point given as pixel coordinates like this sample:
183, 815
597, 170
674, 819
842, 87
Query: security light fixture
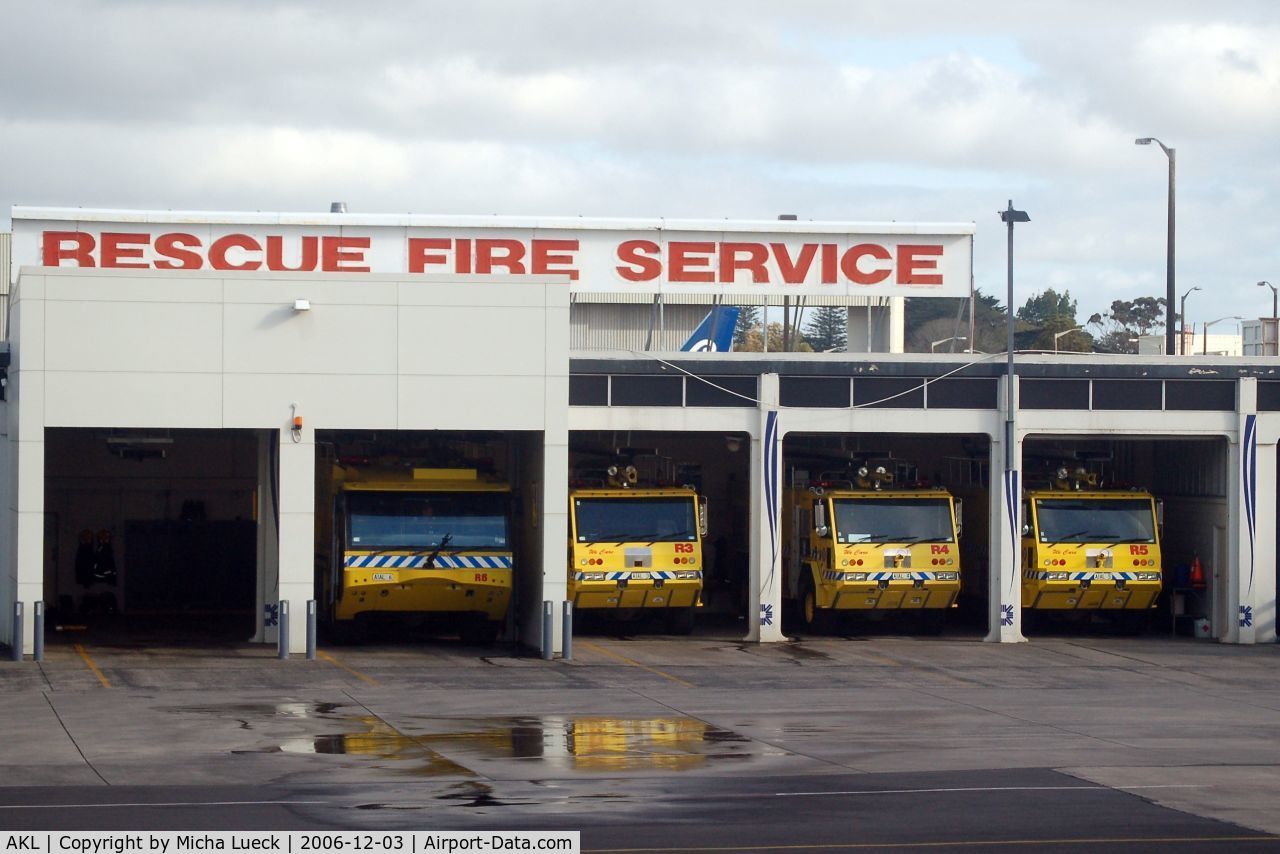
302, 305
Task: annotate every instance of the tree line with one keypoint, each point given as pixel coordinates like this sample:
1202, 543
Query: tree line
933, 322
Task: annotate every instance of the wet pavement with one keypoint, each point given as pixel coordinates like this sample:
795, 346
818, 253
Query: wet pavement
635, 718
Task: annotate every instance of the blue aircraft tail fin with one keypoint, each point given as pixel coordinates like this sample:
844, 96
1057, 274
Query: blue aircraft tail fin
715, 333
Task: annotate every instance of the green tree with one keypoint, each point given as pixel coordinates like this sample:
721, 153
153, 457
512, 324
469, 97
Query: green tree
748, 319
754, 343
828, 328
1127, 321
1049, 305
934, 318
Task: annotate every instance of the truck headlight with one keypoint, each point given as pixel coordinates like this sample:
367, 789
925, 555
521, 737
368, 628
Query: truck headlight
947, 576
1057, 576
1148, 576
685, 573
593, 576
855, 576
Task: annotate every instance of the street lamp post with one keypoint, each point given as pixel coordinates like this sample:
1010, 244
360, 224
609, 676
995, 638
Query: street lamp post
934, 344
1273, 297
1008, 605
1210, 323
1182, 333
1169, 291
1058, 335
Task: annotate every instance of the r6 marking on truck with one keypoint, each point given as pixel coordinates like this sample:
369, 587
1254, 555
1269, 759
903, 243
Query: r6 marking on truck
482, 576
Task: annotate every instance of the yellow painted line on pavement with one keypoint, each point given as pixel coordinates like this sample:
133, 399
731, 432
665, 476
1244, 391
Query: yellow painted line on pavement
92, 666
633, 663
356, 673
951, 843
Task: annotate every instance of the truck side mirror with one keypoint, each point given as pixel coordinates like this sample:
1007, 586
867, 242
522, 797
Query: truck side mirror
702, 515
1160, 517
959, 511
820, 519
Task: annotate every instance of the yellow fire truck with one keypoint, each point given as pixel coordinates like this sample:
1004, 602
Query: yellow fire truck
418, 544
1086, 548
636, 549
860, 544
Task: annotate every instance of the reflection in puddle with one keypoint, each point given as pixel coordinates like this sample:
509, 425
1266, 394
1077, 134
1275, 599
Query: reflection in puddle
585, 743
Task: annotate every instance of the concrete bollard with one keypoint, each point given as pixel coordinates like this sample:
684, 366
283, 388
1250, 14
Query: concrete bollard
16, 652
567, 630
548, 629
38, 627
283, 651
311, 630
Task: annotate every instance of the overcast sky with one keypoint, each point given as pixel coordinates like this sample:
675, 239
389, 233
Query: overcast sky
910, 111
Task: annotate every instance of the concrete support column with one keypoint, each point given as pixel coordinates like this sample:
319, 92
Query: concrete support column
1260, 592
764, 603
26, 548
1249, 597
268, 507
555, 535
297, 549
1004, 591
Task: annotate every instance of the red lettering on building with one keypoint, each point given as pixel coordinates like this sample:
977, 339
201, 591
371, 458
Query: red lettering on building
499, 252
854, 273
553, 257
218, 252
427, 250
343, 254
310, 252
690, 261
639, 254
53, 252
732, 260
910, 264
794, 272
123, 250
174, 251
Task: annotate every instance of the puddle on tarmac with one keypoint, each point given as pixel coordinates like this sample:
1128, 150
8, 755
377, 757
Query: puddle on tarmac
446, 746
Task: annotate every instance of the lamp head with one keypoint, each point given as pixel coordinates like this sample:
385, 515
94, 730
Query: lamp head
1268, 284
1011, 215
1146, 140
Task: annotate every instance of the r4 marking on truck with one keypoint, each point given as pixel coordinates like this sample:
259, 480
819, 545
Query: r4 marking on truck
940, 550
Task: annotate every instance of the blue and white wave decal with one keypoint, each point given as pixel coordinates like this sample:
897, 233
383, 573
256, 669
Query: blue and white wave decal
770, 458
1012, 504
1249, 479
420, 562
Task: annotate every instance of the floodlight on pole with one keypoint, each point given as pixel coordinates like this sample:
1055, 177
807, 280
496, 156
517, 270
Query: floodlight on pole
1058, 335
933, 345
1182, 333
1172, 154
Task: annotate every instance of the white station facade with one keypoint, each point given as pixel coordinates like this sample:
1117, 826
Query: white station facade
168, 369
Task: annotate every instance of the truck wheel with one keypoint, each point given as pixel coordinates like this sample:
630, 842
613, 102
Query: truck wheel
813, 617
680, 621
481, 632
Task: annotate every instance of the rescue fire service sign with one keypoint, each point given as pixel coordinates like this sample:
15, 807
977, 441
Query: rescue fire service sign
596, 255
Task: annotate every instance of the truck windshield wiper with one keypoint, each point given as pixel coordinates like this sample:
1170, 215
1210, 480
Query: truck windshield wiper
673, 537
444, 541
619, 538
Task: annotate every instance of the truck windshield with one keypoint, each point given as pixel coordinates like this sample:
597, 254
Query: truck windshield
1095, 520
416, 520
635, 519
893, 520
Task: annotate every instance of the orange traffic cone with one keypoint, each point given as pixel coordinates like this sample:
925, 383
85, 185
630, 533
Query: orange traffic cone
1197, 573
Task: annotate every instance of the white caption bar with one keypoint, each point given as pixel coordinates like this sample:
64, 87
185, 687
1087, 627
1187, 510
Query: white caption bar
291, 842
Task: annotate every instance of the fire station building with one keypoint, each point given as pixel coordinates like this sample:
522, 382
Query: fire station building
172, 379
